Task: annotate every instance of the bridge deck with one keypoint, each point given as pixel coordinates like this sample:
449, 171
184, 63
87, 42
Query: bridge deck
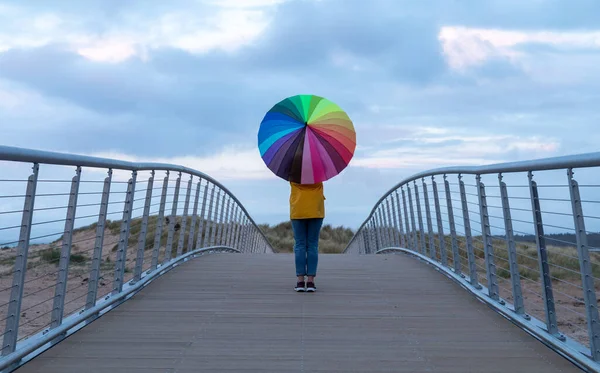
238, 313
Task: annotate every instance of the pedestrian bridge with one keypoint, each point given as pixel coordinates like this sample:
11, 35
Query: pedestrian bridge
110, 266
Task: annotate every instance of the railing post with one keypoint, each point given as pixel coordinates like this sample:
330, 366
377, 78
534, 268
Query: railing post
172, 220
238, 227
13, 314
468, 237
391, 228
242, 234
192, 235
361, 241
486, 236
226, 229
547, 292
515, 277
374, 245
184, 218
253, 248
203, 226
159, 223
440, 226
587, 276
215, 219
240, 242
378, 223
398, 217
124, 237
139, 262
220, 227
98, 245
65, 254
385, 230
420, 218
233, 229
455, 252
432, 251
412, 236
247, 236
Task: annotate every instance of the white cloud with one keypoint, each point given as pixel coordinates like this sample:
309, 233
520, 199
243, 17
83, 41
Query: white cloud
108, 50
232, 163
464, 46
244, 3
226, 27
425, 152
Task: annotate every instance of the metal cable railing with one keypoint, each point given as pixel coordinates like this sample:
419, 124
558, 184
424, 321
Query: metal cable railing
64, 263
536, 236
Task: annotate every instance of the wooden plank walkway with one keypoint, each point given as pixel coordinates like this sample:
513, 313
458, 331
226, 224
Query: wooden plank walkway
238, 313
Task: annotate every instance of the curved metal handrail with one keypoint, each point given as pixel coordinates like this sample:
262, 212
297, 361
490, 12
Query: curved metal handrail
542, 164
15, 154
423, 226
222, 222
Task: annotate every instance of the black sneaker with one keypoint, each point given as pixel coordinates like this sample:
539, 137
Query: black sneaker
300, 287
310, 287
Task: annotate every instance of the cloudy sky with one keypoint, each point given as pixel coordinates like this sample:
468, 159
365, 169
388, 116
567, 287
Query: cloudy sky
427, 84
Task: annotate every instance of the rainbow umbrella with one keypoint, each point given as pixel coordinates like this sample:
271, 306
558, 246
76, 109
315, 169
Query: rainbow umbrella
306, 139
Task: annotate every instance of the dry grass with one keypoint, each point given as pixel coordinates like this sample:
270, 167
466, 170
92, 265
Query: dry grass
331, 240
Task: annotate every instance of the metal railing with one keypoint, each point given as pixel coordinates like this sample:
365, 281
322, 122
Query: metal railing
521, 236
76, 241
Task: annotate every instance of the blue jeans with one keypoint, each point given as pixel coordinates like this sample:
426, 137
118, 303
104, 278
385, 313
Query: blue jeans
306, 249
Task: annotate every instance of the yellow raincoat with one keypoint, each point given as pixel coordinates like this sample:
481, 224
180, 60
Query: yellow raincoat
307, 201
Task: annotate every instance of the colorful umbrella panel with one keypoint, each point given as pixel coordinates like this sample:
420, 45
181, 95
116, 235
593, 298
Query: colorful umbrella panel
306, 139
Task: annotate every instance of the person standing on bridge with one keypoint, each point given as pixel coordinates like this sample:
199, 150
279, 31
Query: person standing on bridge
307, 211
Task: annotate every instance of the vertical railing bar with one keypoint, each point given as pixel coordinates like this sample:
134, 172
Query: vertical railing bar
251, 237
402, 238
432, 250
515, 277
547, 292
13, 314
420, 218
362, 248
440, 226
172, 220
203, 226
452, 224
390, 229
390, 236
246, 239
139, 262
194, 223
488, 247
256, 240
412, 236
184, 217
384, 225
238, 227
376, 245
214, 219
393, 221
60, 290
221, 226
159, 223
242, 240
474, 280
227, 223
98, 245
415, 239
585, 265
367, 237
232, 224
378, 225
124, 236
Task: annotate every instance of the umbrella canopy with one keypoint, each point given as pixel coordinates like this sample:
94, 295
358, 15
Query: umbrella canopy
306, 139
